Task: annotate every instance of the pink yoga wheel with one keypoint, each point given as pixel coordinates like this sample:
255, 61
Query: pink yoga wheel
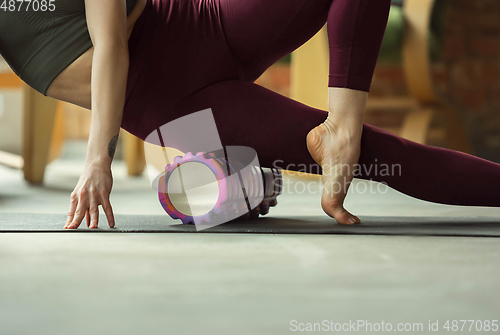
243, 191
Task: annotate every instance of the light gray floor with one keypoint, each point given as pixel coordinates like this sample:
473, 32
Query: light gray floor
233, 284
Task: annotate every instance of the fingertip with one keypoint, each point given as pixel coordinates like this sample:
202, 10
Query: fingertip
73, 225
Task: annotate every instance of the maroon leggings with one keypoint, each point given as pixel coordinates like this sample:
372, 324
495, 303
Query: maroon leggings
189, 55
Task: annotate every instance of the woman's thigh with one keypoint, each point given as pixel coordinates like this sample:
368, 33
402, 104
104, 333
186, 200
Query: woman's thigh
177, 48
184, 46
260, 32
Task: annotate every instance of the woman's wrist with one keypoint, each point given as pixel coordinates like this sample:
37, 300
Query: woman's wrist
101, 146
101, 155
98, 164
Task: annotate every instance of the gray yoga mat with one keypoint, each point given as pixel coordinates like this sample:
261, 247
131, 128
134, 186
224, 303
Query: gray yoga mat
424, 226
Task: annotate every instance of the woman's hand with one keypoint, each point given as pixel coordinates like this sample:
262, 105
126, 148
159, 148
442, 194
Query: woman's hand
92, 190
335, 146
107, 25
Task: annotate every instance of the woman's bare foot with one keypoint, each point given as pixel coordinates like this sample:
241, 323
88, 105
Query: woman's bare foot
337, 155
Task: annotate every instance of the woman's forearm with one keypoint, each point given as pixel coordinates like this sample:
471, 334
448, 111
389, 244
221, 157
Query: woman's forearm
109, 77
107, 23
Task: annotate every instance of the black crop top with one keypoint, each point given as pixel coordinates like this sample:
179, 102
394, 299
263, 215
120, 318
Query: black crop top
39, 44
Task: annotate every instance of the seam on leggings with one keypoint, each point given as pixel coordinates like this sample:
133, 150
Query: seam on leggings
221, 24
352, 43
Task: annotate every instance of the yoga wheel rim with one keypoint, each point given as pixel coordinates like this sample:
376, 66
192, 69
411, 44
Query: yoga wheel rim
208, 161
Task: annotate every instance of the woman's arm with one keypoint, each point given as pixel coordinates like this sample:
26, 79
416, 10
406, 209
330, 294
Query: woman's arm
107, 25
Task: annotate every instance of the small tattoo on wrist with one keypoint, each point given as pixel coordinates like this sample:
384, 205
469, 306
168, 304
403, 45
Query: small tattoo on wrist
112, 146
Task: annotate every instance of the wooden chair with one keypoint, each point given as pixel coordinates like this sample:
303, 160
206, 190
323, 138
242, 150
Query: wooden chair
43, 129
309, 79
41, 144
9, 80
43, 134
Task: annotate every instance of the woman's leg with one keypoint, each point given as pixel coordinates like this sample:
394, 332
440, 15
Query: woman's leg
260, 32
276, 127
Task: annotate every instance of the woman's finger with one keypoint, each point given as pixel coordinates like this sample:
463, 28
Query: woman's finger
80, 212
77, 220
87, 218
94, 214
108, 210
73, 202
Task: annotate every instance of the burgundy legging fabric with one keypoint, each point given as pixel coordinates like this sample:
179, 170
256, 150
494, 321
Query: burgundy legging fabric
189, 55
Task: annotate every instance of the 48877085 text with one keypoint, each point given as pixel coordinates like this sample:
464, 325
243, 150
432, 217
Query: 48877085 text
27, 5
